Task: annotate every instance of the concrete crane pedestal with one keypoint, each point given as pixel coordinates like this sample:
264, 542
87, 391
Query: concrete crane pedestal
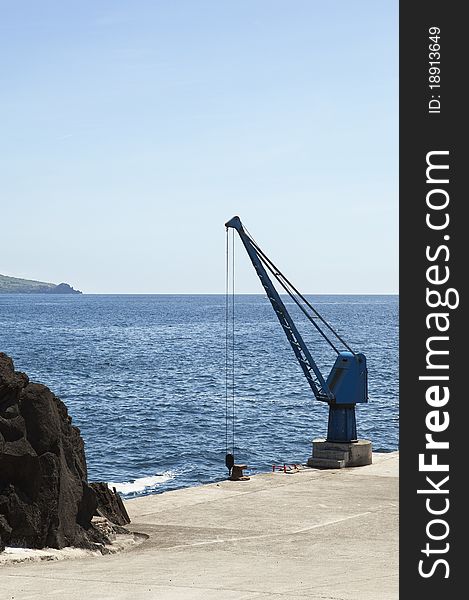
337, 455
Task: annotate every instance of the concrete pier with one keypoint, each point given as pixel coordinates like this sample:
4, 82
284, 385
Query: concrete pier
311, 534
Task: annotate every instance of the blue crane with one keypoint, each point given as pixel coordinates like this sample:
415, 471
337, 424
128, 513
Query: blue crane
347, 383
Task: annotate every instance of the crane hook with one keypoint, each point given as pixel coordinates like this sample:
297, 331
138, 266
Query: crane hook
229, 461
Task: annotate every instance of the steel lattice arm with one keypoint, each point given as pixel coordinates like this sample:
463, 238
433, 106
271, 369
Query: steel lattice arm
310, 369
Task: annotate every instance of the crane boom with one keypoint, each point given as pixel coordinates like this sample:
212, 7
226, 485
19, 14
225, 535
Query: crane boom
347, 382
306, 361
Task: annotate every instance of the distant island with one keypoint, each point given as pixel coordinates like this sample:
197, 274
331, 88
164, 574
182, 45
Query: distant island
14, 285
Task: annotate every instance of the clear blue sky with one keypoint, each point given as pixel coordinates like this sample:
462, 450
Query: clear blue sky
132, 130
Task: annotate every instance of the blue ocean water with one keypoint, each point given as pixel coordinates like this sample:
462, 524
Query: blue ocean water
144, 379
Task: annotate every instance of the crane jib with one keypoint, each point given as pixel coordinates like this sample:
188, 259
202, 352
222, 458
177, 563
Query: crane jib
347, 381
316, 381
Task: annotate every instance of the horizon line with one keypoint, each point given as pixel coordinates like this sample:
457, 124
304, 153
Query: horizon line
236, 294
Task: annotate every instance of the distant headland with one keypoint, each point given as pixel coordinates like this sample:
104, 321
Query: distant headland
14, 285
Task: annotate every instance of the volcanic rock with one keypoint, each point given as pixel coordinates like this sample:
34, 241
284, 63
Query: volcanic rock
110, 505
45, 498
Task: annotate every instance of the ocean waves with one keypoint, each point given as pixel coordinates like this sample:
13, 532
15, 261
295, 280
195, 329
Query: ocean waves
143, 378
142, 484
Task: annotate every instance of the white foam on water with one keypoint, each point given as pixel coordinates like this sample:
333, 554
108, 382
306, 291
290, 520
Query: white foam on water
143, 483
13, 555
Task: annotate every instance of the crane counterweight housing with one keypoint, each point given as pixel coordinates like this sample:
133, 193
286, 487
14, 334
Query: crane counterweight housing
347, 383
348, 379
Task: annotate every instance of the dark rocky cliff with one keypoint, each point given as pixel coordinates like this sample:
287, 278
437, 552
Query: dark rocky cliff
62, 288
45, 498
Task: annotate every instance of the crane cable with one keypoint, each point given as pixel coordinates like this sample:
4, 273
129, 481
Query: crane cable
226, 344
233, 341
293, 293
229, 457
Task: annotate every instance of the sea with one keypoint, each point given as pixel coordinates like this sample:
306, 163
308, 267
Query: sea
161, 386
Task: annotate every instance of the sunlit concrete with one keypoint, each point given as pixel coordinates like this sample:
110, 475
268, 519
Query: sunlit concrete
308, 535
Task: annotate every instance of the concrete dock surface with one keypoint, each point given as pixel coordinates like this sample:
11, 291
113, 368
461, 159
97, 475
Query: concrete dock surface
318, 535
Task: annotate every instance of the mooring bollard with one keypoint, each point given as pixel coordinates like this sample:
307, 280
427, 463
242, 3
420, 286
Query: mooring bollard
237, 473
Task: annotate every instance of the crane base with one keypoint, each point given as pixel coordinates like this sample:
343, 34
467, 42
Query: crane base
338, 455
